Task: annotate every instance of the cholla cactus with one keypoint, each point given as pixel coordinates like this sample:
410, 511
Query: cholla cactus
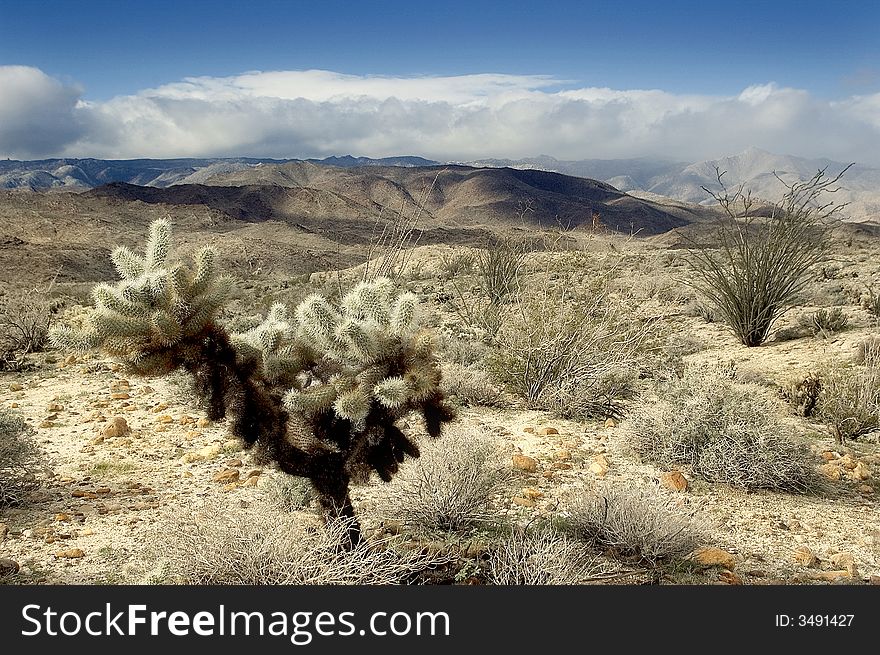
346, 373
148, 318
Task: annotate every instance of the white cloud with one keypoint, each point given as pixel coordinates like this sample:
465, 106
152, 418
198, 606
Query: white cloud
38, 114
320, 113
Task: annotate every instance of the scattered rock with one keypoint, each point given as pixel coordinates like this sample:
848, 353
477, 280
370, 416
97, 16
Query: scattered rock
79, 493
861, 471
67, 361
562, 455
874, 580
97, 441
203, 422
829, 456
523, 502
532, 494
120, 395
599, 468
210, 452
610, 423
830, 471
529, 429
4, 530
250, 482
674, 480
62, 517
47, 424
234, 463
805, 556
73, 553
116, 427
15, 386
525, 463
711, 556
54, 407
186, 419
866, 489
8, 567
829, 576
226, 476
729, 577
164, 418
544, 432
844, 561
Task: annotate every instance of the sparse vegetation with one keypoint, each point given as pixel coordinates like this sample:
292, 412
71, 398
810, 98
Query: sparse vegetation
723, 431
471, 386
25, 317
451, 486
849, 400
229, 547
825, 322
543, 557
636, 524
756, 268
570, 346
21, 459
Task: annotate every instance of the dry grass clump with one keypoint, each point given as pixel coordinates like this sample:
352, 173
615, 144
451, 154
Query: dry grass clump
639, 524
234, 546
825, 322
723, 431
20, 459
25, 316
570, 345
289, 492
849, 399
543, 557
471, 386
451, 486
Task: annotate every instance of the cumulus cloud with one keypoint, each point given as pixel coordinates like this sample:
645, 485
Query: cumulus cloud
319, 113
38, 114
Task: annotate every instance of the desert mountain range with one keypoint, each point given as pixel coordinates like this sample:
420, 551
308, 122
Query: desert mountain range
644, 178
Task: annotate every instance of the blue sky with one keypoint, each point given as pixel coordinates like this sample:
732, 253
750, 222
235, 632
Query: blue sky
104, 62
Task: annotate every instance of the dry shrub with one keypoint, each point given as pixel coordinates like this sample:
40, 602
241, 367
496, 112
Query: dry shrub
471, 386
849, 400
569, 345
24, 324
640, 524
20, 459
257, 546
824, 322
543, 557
724, 431
289, 492
451, 486
868, 351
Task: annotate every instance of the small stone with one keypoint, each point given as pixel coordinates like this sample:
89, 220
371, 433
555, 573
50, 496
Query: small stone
203, 422
711, 556
97, 441
561, 466
874, 580
186, 419
47, 424
79, 493
27, 534
830, 576
15, 386
234, 463
529, 429
226, 476
532, 494
830, 471
120, 395
54, 407
599, 468
544, 432
848, 462
866, 489
610, 423
232, 486
62, 517
674, 480
861, 471
845, 561
562, 455
829, 456
73, 553
14, 405
804, 556
70, 359
729, 577
116, 427
210, 452
88, 532
523, 502
525, 463
250, 482
164, 418
8, 567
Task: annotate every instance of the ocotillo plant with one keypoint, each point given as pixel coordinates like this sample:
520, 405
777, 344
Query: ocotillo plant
318, 392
